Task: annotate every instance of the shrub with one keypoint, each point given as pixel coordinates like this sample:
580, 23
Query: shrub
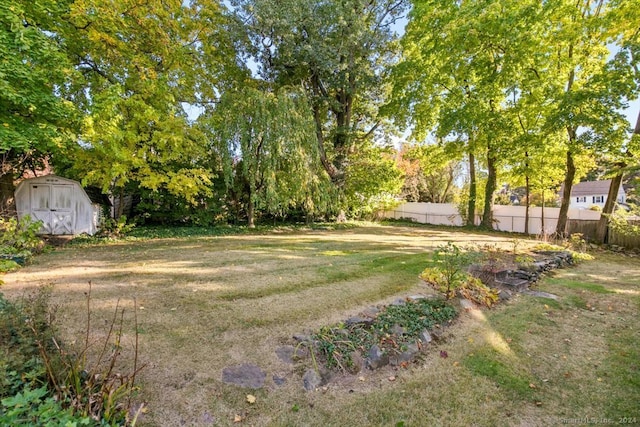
115, 228
450, 270
37, 407
449, 275
59, 384
18, 237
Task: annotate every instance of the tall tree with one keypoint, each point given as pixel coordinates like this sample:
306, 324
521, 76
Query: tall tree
262, 138
626, 65
460, 62
35, 121
142, 63
586, 97
338, 50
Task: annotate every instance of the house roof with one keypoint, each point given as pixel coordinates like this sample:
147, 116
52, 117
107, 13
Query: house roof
591, 188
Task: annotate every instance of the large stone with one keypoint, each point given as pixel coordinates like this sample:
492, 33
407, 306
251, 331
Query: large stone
398, 330
245, 375
279, 380
541, 294
504, 295
404, 357
425, 337
377, 358
285, 353
357, 320
311, 380
359, 363
466, 304
371, 312
302, 337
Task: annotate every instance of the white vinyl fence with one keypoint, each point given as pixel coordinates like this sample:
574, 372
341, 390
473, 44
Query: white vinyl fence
506, 218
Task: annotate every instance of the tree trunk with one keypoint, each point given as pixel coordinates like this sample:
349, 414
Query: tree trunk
471, 208
7, 202
250, 210
251, 214
490, 189
561, 228
616, 181
601, 228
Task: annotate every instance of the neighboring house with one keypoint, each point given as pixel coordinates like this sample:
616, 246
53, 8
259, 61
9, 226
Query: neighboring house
585, 195
63, 206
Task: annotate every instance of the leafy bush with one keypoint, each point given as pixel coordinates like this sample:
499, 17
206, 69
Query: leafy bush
115, 228
36, 407
18, 237
619, 222
450, 277
7, 265
59, 384
466, 286
451, 263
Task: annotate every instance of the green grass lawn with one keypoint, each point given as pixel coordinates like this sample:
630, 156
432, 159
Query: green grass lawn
205, 302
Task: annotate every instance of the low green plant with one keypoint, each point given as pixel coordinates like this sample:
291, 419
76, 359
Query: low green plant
115, 228
19, 237
576, 242
524, 259
338, 343
450, 264
7, 265
474, 290
83, 387
450, 277
36, 407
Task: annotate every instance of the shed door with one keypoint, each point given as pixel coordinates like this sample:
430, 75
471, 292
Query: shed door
53, 205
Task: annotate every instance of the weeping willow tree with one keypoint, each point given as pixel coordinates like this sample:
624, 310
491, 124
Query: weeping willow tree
264, 140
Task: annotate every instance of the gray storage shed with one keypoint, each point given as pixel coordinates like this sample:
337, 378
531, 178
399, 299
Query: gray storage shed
63, 206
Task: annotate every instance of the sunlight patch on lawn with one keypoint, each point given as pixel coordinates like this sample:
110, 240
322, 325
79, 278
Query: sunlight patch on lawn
492, 337
626, 291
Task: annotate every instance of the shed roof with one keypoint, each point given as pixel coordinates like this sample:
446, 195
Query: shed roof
96, 196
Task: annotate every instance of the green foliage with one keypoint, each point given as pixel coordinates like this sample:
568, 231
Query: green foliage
449, 275
36, 123
414, 316
338, 343
7, 265
430, 173
450, 268
36, 407
620, 223
337, 51
58, 384
112, 228
18, 237
373, 183
262, 139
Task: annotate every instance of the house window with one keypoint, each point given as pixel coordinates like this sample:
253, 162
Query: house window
598, 199
581, 199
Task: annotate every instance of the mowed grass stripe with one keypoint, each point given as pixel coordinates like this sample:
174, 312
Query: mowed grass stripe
400, 267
